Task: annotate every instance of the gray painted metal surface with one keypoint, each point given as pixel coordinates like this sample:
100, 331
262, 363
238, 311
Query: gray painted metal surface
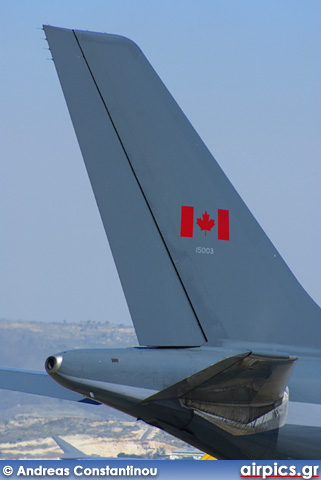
122, 378
37, 383
241, 288
142, 382
231, 285
160, 310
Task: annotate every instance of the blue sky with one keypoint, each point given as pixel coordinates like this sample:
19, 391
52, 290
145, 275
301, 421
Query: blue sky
246, 73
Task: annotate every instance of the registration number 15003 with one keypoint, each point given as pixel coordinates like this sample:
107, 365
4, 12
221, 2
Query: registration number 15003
206, 250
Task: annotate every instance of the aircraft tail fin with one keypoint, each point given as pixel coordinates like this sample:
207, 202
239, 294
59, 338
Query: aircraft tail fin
70, 452
194, 264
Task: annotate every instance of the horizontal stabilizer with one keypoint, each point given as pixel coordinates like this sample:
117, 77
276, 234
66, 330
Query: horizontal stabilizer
237, 391
38, 383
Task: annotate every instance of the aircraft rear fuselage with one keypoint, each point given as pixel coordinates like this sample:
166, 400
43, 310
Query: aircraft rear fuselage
124, 378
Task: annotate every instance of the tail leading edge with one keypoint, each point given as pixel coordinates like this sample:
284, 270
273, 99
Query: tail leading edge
194, 264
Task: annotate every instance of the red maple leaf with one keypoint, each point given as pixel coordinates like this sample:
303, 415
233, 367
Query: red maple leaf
205, 223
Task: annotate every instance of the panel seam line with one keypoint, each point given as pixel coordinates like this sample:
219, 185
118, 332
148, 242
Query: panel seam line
139, 185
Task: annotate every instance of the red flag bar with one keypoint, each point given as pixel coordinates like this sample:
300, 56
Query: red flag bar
223, 225
187, 221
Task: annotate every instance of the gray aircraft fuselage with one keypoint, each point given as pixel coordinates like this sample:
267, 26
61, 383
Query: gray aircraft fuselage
230, 343
122, 378
233, 366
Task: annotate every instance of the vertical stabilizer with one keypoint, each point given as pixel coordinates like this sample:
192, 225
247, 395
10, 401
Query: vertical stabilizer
194, 263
